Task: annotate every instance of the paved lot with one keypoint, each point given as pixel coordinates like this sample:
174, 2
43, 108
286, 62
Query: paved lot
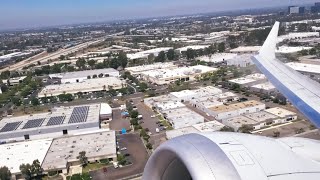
315, 134
148, 121
118, 122
289, 129
157, 139
138, 156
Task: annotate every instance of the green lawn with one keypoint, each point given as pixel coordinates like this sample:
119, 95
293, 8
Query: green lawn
93, 166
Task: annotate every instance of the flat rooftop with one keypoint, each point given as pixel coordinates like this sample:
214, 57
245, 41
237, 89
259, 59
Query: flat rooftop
84, 74
59, 116
14, 154
280, 112
246, 49
248, 79
184, 93
211, 126
88, 85
169, 105
181, 131
238, 121
183, 117
261, 116
216, 58
66, 149
195, 47
138, 69
265, 86
246, 104
178, 72
302, 67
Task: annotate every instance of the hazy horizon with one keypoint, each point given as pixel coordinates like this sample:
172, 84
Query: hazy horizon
15, 14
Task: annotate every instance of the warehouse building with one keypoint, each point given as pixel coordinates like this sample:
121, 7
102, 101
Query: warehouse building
217, 58
211, 126
310, 70
14, 154
265, 88
182, 117
228, 111
249, 80
137, 70
60, 121
283, 114
166, 76
243, 60
80, 76
64, 151
86, 86
145, 54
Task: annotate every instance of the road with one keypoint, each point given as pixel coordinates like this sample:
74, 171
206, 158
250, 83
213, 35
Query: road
51, 56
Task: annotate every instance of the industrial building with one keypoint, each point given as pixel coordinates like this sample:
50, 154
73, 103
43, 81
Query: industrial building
310, 70
189, 95
248, 80
283, 114
243, 60
86, 86
265, 88
281, 49
64, 151
195, 47
217, 58
228, 111
58, 122
14, 81
211, 126
256, 120
80, 76
137, 70
182, 117
14, 154
145, 54
166, 76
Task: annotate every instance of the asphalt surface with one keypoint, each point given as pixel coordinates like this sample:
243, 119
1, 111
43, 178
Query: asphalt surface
118, 122
138, 156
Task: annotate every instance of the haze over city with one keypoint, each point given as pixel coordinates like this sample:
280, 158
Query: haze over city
39, 13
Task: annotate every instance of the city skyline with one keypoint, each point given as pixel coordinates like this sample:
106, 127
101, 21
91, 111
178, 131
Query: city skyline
34, 13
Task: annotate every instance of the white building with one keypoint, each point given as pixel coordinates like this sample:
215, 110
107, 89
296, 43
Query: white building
145, 54
217, 58
297, 35
311, 70
249, 80
195, 47
105, 112
166, 76
80, 76
60, 121
14, 81
137, 70
14, 154
64, 151
86, 86
283, 114
266, 88
242, 60
182, 117
228, 111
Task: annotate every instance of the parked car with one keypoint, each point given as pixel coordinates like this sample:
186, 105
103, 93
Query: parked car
123, 149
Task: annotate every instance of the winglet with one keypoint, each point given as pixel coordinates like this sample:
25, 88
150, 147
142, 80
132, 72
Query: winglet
269, 47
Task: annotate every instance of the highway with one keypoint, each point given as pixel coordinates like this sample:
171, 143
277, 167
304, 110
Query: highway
52, 56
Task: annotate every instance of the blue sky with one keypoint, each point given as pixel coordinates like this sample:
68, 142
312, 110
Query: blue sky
36, 13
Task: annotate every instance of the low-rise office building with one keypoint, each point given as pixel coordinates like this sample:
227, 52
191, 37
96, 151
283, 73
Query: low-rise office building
265, 88
86, 86
166, 76
283, 114
137, 70
64, 151
248, 80
182, 117
310, 70
60, 121
80, 76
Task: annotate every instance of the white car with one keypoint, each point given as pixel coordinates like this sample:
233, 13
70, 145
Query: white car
123, 149
153, 116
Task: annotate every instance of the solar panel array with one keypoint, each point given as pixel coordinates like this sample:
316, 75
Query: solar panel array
10, 126
79, 114
56, 120
33, 123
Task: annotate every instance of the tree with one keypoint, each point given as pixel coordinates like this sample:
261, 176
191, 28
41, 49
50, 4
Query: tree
227, 129
83, 158
121, 159
150, 58
134, 114
143, 87
143, 133
35, 101
221, 47
161, 57
100, 75
62, 57
122, 57
276, 134
171, 54
36, 168
91, 63
190, 54
149, 146
5, 173
25, 170
81, 63
16, 101
245, 129
5, 75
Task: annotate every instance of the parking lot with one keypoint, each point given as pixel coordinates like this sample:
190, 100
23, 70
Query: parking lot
138, 156
118, 122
